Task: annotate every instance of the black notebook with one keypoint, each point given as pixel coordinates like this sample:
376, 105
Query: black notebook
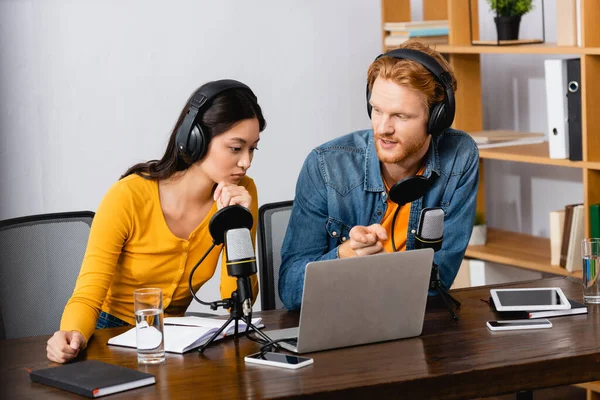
92, 378
576, 308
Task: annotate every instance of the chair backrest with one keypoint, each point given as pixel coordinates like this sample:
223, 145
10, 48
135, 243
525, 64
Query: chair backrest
40, 259
272, 223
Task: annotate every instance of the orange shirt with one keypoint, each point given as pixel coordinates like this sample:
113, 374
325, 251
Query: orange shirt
401, 228
130, 247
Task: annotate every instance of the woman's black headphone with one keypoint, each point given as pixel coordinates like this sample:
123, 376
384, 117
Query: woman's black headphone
441, 115
191, 141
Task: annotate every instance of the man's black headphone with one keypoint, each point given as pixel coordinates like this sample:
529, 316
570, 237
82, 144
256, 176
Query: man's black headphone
191, 140
441, 114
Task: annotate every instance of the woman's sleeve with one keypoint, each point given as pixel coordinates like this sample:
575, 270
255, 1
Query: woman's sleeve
110, 229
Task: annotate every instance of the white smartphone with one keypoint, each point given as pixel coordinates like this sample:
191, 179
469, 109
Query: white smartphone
278, 360
517, 324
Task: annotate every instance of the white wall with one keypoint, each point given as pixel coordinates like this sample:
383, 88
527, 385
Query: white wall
88, 88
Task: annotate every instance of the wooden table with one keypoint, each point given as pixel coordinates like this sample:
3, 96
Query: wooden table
450, 360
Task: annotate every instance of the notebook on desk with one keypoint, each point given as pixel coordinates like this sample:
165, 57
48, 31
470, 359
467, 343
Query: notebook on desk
360, 300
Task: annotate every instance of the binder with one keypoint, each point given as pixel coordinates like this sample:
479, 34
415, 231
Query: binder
574, 108
556, 107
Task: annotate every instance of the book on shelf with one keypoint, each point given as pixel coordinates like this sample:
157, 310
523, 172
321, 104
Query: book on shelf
557, 223
500, 138
391, 41
566, 23
408, 25
595, 220
576, 309
183, 334
573, 259
92, 378
564, 246
420, 32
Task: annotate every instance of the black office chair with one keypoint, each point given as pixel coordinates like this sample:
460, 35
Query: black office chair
272, 223
40, 259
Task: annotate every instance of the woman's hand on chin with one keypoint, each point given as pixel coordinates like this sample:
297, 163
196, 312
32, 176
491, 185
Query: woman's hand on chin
229, 194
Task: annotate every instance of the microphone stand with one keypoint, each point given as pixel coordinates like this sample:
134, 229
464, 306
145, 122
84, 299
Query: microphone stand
236, 313
435, 284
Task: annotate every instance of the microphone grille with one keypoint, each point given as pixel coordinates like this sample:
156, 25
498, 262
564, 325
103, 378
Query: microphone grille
432, 223
238, 244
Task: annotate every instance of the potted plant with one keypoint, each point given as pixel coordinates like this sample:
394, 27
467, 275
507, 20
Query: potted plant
508, 16
479, 234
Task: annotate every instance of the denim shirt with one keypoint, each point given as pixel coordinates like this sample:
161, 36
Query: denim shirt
340, 186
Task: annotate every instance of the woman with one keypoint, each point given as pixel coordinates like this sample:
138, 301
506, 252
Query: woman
152, 225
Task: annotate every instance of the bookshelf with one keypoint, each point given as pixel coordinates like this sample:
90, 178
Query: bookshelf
502, 246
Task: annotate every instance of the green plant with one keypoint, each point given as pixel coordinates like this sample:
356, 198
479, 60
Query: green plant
479, 218
511, 8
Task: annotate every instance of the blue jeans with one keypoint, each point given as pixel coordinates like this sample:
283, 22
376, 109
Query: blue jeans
108, 321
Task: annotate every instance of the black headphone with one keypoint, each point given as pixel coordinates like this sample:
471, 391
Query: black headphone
191, 141
441, 114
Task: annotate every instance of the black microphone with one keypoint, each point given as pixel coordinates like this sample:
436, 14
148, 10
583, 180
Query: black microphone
406, 191
228, 219
241, 263
430, 234
231, 225
430, 231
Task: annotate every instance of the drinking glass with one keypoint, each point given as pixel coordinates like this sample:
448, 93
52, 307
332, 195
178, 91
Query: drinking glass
590, 251
149, 327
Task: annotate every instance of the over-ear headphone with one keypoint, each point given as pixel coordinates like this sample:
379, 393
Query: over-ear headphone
441, 114
191, 140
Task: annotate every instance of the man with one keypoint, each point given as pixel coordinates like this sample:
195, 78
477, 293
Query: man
342, 207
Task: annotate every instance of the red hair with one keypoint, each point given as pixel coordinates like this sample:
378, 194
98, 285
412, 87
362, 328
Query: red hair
411, 73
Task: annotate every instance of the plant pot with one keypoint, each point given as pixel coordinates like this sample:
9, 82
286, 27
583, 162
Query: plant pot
508, 27
478, 236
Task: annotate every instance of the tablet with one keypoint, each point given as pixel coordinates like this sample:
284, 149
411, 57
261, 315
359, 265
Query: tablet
529, 299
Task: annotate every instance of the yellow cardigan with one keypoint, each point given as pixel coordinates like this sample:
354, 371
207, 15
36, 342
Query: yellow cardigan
130, 247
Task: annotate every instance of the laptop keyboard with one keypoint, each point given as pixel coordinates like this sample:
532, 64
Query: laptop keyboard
292, 341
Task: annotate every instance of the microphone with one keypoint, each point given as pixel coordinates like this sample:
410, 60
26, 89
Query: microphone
430, 231
406, 191
430, 234
241, 263
231, 225
227, 218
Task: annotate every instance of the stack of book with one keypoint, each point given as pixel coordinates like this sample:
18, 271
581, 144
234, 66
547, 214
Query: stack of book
429, 32
501, 138
567, 232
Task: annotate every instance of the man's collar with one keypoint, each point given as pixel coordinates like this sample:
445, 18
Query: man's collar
374, 180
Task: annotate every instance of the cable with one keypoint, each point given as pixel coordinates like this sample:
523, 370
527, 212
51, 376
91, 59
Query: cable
393, 225
192, 274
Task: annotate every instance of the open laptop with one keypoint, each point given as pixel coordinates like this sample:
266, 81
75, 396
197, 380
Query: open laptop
360, 300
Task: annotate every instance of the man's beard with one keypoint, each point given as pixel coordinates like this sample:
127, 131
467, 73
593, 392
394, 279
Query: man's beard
407, 150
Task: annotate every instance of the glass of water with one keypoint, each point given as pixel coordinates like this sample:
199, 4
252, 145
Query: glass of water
590, 251
148, 305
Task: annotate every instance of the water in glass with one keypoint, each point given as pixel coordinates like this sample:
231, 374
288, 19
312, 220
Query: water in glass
150, 339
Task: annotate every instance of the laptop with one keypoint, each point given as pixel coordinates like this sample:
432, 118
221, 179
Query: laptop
360, 300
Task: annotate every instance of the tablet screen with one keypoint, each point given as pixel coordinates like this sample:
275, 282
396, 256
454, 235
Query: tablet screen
541, 297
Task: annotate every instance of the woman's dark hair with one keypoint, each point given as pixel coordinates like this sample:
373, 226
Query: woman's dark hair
226, 110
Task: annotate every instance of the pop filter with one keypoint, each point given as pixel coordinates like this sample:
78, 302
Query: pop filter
409, 189
227, 218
